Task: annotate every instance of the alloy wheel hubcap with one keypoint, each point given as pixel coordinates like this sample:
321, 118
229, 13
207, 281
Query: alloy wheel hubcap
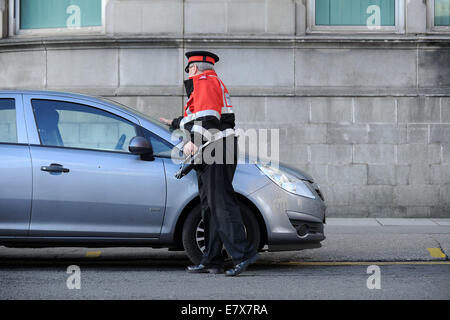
201, 242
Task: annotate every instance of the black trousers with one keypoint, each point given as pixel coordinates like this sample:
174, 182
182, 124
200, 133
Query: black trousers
220, 210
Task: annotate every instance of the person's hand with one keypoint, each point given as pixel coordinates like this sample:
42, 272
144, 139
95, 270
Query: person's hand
189, 149
165, 121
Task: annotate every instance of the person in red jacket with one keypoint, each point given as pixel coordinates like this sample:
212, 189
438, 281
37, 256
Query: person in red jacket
208, 111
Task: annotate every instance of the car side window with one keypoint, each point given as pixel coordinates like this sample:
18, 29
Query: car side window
73, 125
160, 146
8, 128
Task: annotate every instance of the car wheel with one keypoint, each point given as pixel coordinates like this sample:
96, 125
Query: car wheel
194, 233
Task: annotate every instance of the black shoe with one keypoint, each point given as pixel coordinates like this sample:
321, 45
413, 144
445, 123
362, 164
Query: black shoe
240, 267
204, 269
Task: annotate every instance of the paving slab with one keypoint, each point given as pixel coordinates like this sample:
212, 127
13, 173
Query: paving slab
442, 222
406, 222
352, 222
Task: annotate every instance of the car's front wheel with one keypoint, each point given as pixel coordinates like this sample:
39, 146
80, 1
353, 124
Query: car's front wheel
194, 232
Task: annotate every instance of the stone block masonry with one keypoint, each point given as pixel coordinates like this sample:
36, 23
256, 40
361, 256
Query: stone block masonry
373, 157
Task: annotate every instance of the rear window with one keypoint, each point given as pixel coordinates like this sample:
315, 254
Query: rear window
8, 129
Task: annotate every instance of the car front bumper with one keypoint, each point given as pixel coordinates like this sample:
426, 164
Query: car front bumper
293, 222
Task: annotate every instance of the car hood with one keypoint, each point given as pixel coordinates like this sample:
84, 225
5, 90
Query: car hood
298, 173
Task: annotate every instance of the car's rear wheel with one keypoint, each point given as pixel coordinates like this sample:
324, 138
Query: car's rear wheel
194, 233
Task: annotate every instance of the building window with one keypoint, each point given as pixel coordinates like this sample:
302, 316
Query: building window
442, 13
439, 15
56, 16
355, 16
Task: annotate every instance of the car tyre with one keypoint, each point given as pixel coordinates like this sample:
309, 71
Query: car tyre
192, 232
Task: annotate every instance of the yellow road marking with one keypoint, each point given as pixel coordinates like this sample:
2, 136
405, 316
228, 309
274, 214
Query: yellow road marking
361, 263
436, 252
93, 254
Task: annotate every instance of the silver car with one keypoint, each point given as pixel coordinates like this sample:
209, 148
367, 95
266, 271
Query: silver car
73, 173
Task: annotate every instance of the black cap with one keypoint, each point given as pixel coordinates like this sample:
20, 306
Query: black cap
200, 56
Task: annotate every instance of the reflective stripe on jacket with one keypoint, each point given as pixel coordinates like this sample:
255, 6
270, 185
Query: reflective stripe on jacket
207, 104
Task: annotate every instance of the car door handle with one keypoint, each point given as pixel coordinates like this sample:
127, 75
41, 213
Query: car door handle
54, 167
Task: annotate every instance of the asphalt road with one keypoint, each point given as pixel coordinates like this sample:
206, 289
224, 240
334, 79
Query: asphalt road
168, 280
412, 260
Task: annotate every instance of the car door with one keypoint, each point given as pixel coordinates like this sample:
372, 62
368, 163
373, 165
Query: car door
85, 181
15, 168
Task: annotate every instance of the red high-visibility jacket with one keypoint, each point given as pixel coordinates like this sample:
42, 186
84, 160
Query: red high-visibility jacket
209, 107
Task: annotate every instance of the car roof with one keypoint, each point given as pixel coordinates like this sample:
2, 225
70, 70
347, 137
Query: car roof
34, 91
51, 92
71, 95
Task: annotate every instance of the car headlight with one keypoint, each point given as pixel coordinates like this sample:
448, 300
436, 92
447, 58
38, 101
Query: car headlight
286, 181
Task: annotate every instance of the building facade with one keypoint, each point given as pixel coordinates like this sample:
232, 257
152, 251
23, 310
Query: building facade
359, 90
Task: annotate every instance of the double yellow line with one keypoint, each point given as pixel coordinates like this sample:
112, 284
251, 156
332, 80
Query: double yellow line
361, 263
93, 254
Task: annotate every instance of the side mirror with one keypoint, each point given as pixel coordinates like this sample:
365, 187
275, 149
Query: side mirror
140, 145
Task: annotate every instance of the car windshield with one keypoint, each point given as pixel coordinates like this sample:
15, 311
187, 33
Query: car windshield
143, 115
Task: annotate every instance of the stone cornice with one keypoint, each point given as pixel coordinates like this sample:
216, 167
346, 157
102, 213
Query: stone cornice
167, 41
